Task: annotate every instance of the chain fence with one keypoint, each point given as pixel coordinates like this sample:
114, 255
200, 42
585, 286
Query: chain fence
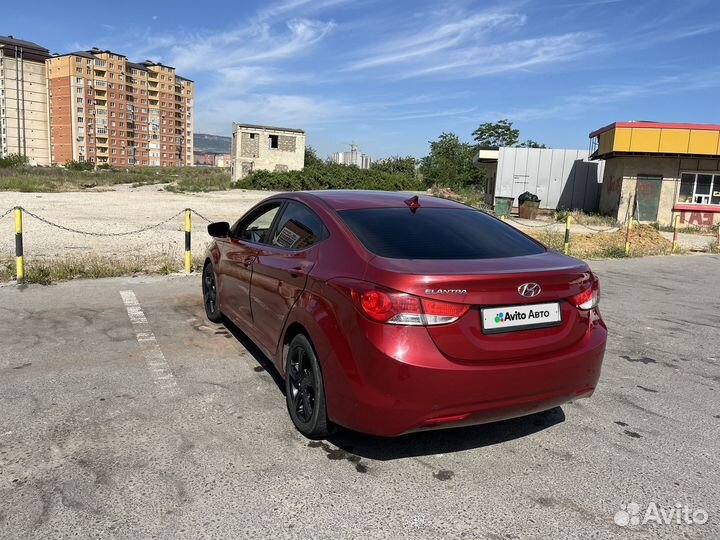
198, 214
22, 212
521, 224
190, 211
99, 234
91, 233
559, 224
7, 212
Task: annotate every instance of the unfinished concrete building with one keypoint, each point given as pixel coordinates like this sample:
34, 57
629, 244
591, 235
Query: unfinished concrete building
266, 148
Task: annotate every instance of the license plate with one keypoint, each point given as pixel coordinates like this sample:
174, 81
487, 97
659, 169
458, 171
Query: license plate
511, 318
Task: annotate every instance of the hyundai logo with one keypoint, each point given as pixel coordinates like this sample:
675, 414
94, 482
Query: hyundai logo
529, 290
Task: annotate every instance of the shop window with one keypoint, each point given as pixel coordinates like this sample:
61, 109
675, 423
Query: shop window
699, 188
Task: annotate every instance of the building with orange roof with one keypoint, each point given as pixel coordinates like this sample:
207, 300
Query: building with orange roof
656, 170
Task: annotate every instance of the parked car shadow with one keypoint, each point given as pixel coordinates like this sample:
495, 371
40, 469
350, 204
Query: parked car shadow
443, 441
255, 352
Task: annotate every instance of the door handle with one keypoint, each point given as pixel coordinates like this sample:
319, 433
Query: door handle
247, 261
297, 271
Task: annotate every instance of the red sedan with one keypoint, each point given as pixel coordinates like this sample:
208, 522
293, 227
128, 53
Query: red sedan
389, 314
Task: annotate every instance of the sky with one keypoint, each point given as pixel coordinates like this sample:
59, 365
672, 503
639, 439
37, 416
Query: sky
392, 75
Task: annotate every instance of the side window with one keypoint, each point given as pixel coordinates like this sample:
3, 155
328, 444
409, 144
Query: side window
256, 229
298, 228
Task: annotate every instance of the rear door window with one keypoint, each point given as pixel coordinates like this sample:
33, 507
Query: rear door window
298, 228
436, 233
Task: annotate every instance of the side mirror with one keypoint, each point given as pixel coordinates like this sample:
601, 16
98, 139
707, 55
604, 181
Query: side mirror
221, 229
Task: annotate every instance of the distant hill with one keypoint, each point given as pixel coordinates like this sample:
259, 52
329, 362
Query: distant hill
212, 143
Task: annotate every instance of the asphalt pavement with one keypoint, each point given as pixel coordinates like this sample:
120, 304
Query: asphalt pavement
124, 413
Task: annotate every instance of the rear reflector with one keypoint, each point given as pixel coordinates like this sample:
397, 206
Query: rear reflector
445, 419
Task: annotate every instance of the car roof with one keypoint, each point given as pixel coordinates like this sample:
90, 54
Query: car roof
348, 199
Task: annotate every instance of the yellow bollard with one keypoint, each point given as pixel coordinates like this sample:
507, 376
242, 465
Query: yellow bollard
676, 225
188, 230
19, 257
568, 222
628, 236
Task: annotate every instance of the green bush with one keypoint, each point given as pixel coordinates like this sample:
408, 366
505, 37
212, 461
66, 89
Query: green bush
79, 165
13, 160
330, 176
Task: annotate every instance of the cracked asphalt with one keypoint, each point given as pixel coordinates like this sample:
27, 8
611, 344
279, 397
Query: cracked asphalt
93, 446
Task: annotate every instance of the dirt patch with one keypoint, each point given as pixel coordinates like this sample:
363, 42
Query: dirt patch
645, 240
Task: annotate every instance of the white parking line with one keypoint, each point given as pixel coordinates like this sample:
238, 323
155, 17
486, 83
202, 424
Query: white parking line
154, 358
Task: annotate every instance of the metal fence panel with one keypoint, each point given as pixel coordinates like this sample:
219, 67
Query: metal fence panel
562, 178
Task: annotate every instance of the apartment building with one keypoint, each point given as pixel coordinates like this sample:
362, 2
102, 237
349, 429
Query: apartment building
23, 100
106, 109
268, 148
352, 157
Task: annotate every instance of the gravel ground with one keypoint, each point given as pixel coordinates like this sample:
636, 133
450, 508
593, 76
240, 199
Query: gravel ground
123, 209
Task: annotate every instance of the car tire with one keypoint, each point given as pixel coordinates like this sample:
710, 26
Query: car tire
210, 294
304, 389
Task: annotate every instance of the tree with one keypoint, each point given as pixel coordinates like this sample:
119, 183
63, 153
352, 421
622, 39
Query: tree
531, 144
397, 164
493, 135
449, 163
311, 157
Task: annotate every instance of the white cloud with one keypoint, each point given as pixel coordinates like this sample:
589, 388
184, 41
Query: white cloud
418, 44
509, 56
247, 45
272, 109
289, 6
465, 45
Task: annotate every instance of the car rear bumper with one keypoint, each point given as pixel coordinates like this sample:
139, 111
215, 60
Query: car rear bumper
413, 387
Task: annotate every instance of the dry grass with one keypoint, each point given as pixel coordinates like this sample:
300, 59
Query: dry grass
46, 271
466, 195
58, 179
645, 240
582, 218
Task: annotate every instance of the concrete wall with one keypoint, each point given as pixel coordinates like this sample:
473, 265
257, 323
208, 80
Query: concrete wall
620, 180
252, 150
560, 178
23, 105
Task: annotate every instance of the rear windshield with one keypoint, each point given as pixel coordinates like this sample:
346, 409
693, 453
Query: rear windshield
436, 233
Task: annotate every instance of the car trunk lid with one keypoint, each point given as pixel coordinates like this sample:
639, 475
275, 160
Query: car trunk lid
493, 284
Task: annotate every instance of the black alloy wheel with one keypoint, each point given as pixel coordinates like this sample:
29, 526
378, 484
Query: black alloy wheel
210, 296
304, 389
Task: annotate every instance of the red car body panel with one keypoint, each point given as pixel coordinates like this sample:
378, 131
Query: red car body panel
389, 379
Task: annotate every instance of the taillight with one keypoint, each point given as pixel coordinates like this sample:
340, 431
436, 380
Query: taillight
391, 307
589, 298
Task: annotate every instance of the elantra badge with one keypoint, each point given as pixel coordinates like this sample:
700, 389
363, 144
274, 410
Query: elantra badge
529, 290
445, 291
